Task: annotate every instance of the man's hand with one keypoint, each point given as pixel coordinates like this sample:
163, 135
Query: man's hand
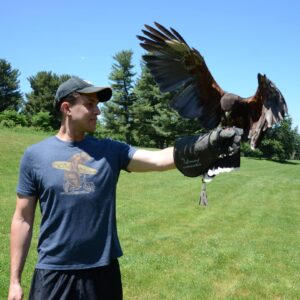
15, 292
195, 155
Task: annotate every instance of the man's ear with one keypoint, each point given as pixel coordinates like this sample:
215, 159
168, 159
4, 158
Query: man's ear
65, 108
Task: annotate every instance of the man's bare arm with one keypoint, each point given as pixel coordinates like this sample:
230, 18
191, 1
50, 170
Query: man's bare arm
146, 160
20, 239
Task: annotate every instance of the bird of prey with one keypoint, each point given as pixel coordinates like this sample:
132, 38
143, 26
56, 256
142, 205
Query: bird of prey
182, 70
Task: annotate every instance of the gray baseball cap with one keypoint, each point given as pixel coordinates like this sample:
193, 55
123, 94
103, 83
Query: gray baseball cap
76, 84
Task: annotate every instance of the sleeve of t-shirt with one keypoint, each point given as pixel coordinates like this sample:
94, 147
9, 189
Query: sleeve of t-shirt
26, 184
126, 154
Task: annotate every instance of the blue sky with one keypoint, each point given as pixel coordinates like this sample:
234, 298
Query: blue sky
238, 38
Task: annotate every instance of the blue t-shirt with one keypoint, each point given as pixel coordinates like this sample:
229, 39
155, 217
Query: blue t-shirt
75, 183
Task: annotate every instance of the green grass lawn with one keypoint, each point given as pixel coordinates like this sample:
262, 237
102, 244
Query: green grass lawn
243, 245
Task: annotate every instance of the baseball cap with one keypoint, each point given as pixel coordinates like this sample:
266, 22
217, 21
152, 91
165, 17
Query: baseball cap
76, 84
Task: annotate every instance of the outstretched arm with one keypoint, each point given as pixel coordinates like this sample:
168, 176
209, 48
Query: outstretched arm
193, 156
20, 239
196, 155
146, 160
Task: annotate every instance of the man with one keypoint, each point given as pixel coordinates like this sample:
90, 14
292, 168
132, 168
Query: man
74, 178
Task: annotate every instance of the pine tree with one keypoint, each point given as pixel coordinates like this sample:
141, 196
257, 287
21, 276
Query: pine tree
10, 96
148, 97
117, 113
156, 123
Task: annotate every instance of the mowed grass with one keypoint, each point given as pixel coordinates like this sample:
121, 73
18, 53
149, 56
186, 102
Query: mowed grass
243, 245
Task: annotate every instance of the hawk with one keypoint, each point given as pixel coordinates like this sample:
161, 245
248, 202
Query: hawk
181, 70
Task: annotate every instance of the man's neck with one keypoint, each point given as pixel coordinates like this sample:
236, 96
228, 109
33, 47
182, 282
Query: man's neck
67, 135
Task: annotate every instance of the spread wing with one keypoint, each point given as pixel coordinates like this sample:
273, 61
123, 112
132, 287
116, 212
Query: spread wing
267, 108
181, 70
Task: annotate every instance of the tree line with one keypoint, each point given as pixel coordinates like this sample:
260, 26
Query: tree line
138, 112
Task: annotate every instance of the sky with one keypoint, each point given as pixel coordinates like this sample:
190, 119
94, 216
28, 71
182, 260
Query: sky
238, 39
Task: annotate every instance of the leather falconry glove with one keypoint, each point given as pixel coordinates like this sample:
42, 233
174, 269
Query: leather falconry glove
196, 155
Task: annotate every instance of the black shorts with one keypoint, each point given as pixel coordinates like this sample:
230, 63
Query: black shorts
87, 284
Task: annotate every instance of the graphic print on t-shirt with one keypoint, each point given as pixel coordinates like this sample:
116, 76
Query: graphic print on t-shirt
75, 175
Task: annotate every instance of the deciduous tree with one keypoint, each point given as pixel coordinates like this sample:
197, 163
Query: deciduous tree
41, 98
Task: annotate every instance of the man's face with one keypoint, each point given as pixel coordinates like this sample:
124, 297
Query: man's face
84, 112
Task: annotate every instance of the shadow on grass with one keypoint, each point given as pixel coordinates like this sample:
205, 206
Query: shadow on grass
288, 162
284, 162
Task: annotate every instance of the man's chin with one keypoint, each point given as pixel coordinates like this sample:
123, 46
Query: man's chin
91, 130
92, 127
